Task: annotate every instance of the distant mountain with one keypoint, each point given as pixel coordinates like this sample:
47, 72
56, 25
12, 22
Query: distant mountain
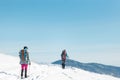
93, 67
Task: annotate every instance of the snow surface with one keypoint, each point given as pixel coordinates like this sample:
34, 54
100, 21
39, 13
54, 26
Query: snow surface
10, 70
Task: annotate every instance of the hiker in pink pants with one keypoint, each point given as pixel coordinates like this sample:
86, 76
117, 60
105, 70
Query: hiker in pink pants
24, 61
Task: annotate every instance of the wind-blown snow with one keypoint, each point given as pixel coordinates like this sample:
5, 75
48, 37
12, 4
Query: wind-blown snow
10, 70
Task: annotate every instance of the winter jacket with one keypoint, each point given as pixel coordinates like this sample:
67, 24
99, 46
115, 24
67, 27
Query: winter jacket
64, 55
24, 57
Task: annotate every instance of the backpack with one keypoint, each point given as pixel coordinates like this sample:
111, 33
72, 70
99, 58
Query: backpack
23, 55
63, 56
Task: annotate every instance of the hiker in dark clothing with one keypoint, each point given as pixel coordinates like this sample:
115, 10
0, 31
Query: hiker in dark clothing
63, 58
24, 61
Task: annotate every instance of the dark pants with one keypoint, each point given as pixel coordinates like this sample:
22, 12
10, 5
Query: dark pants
22, 73
63, 64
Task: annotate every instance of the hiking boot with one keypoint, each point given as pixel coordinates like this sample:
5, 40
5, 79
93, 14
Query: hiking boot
21, 77
25, 76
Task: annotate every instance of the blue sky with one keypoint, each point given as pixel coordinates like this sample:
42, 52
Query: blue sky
88, 29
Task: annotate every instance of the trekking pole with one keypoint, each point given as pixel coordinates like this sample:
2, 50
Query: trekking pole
29, 71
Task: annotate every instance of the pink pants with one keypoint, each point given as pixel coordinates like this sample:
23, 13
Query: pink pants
24, 66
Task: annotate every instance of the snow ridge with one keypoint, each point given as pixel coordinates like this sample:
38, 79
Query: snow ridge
93, 67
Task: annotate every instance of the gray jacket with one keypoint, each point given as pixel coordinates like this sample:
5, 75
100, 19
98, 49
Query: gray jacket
24, 57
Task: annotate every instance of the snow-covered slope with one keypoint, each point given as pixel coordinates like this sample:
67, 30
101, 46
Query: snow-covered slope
93, 67
10, 70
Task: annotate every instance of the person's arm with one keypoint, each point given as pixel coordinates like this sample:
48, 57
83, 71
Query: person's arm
67, 55
20, 55
28, 58
61, 54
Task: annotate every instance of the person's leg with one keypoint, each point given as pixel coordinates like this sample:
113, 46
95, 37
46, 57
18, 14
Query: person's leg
26, 65
63, 64
22, 69
21, 74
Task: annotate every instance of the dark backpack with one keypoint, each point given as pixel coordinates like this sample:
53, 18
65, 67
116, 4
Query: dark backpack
63, 56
